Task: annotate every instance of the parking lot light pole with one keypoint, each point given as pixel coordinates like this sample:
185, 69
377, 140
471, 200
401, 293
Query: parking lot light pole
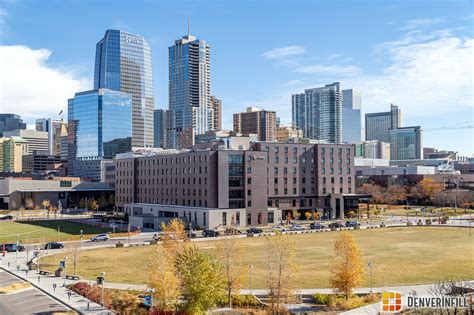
65, 271
370, 267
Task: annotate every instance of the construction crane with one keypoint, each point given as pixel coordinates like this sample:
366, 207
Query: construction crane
461, 125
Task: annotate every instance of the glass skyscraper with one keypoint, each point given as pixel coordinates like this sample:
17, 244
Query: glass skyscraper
406, 143
351, 117
100, 126
123, 63
189, 90
318, 112
378, 125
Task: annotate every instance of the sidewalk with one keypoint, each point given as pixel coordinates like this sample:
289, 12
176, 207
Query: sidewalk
45, 283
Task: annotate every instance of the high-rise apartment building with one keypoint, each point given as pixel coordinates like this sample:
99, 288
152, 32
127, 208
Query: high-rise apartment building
318, 112
56, 129
256, 121
37, 140
10, 122
123, 63
162, 128
100, 126
216, 105
12, 151
406, 143
351, 117
378, 125
189, 88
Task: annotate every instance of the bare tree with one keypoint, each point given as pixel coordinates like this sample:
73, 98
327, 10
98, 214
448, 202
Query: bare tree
229, 251
282, 270
453, 287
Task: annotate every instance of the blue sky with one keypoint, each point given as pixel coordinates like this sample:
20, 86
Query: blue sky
417, 54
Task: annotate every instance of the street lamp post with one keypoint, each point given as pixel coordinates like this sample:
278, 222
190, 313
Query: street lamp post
370, 267
65, 271
100, 280
17, 244
250, 277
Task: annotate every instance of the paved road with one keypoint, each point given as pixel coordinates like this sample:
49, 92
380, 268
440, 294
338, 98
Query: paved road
28, 301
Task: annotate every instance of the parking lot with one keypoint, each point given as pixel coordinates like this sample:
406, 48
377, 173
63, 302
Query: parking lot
29, 301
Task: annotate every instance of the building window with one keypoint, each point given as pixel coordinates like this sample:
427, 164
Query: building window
249, 192
294, 203
285, 191
237, 218
259, 218
275, 170
271, 217
249, 218
270, 203
276, 191
224, 218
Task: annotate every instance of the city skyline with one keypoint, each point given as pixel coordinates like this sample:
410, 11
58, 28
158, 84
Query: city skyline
287, 60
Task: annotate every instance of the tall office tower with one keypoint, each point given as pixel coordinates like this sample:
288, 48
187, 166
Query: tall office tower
406, 143
55, 129
37, 140
256, 121
100, 126
162, 127
318, 112
123, 63
351, 119
216, 105
10, 122
378, 125
189, 90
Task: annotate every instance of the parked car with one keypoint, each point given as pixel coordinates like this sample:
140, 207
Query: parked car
335, 225
254, 230
6, 217
297, 227
210, 233
53, 245
317, 226
191, 234
156, 237
12, 248
279, 228
352, 223
100, 237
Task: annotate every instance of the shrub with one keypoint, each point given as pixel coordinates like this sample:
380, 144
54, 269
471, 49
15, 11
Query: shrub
240, 300
371, 298
428, 221
321, 298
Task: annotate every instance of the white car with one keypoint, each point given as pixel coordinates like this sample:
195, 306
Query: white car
100, 237
279, 228
297, 227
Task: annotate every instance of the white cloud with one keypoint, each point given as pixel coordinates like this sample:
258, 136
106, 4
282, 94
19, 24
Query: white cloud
419, 23
32, 88
322, 69
282, 52
431, 76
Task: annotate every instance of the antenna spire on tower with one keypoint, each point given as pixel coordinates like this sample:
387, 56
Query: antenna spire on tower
189, 25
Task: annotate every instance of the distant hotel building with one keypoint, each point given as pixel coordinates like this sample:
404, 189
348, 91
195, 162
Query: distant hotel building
100, 126
378, 125
351, 117
318, 112
256, 121
12, 152
406, 143
189, 90
123, 63
372, 149
257, 186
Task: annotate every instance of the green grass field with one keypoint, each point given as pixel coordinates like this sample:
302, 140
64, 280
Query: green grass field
34, 231
399, 256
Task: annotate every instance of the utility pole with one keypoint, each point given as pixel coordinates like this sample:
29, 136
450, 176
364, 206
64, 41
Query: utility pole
370, 267
250, 277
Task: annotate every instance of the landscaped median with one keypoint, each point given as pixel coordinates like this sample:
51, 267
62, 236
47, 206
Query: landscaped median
14, 287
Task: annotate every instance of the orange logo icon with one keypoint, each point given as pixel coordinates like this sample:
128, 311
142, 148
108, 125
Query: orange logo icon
391, 301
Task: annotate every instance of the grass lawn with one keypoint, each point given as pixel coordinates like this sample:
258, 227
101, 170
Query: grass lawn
34, 231
399, 256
